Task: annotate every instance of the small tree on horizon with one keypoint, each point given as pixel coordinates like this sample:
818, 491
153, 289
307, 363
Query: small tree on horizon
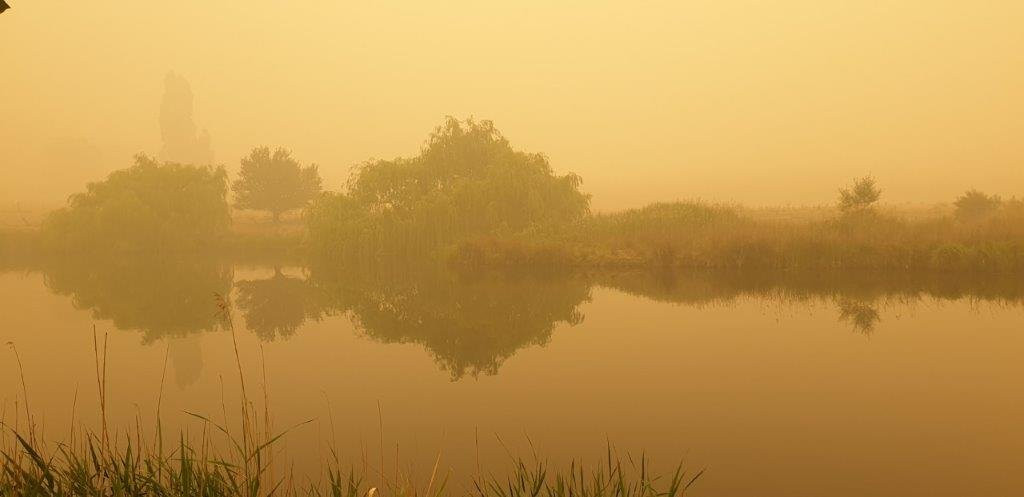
975, 204
861, 196
274, 182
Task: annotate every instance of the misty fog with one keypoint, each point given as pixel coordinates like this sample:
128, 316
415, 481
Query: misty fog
738, 101
519, 243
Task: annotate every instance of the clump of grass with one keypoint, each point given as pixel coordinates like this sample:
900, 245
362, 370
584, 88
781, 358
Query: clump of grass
222, 462
612, 479
191, 469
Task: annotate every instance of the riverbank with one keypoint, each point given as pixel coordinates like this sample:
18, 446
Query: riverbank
687, 235
705, 236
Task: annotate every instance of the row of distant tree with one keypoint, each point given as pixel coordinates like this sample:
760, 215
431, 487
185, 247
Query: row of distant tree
164, 205
865, 193
467, 181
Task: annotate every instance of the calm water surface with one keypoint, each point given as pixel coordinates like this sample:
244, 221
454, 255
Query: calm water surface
778, 386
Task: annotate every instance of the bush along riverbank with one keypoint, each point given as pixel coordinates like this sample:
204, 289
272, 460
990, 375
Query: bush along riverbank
697, 235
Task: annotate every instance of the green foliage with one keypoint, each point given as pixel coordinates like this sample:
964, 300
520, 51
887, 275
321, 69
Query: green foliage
974, 205
147, 207
696, 235
274, 182
858, 240
652, 235
660, 220
467, 180
862, 195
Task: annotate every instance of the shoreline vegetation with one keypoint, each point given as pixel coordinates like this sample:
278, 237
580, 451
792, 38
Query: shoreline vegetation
471, 200
714, 237
131, 468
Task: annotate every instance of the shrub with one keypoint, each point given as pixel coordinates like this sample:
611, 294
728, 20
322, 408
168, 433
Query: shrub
974, 205
468, 180
147, 207
862, 195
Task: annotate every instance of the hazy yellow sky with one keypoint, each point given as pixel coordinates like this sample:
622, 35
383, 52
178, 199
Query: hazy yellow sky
761, 102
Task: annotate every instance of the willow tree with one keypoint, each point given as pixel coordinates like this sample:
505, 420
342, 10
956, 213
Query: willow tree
467, 180
274, 182
148, 207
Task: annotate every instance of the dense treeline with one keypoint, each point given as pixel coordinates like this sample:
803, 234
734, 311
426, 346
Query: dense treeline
467, 180
471, 198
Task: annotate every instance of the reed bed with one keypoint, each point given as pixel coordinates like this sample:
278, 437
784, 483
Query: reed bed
705, 236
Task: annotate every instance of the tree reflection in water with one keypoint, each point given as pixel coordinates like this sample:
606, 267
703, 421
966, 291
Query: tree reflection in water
858, 297
470, 322
277, 306
156, 296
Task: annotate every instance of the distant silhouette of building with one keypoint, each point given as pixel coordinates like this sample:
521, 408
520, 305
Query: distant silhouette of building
182, 141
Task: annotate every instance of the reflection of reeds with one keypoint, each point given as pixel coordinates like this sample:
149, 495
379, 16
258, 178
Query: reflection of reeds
105, 464
861, 315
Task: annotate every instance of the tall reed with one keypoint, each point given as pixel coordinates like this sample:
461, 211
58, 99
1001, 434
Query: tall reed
123, 462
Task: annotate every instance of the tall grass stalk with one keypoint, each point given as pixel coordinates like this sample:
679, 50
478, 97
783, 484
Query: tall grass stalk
104, 462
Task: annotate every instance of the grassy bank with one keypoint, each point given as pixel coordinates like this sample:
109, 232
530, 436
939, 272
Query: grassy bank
244, 457
128, 467
697, 235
